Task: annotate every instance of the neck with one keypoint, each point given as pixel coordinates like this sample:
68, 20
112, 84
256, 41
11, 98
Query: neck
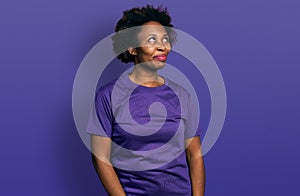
148, 78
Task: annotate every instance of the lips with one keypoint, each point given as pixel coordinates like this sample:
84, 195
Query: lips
161, 57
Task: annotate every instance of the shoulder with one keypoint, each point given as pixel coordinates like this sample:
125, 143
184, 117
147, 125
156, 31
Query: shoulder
178, 89
104, 91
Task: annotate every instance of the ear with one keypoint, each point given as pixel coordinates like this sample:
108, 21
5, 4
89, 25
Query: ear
132, 51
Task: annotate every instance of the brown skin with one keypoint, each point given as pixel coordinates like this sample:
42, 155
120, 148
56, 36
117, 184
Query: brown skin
149, 58
196, 165
101, 148
155, 43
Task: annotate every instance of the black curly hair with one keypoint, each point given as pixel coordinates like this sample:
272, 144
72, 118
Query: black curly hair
135, 17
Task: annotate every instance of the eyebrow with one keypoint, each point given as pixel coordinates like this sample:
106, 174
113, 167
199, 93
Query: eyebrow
151, 34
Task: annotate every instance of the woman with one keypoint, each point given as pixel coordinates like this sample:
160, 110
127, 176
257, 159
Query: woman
182, 174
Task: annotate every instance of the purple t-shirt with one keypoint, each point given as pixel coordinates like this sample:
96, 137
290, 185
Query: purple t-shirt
147, 126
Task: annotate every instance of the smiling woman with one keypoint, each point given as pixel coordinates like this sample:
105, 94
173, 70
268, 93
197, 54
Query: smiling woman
147, 46
151, 55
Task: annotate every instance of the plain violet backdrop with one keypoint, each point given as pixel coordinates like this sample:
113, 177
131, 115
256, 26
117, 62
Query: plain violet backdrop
255, 44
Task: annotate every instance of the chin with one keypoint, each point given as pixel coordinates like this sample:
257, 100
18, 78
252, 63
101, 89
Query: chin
154, 65
160, 65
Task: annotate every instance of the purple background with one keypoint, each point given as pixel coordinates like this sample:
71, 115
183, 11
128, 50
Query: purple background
255, 43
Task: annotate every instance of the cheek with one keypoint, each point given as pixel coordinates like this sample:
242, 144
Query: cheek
145, 52
168, 47
149, 50
168, 50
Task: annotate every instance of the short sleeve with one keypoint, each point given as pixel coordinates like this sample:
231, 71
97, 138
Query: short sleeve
101, 118
192, 127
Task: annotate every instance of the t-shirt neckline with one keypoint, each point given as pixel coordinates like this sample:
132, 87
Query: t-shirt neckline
134, 85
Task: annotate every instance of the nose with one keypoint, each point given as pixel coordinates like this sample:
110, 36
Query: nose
161, 46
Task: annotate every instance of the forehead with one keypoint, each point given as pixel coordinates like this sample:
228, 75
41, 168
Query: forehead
151, 28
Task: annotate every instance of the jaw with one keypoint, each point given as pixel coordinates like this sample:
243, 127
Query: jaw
151, 66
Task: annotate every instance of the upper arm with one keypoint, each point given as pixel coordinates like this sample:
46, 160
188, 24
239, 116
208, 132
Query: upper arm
193, 147
101, 147
101, 117
191, 116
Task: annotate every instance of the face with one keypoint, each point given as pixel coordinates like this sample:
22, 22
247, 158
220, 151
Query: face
154, 46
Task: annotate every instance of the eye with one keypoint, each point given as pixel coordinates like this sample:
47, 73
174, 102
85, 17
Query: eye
166, 39
151, 39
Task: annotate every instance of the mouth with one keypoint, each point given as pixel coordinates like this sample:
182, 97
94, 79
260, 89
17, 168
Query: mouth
161, 58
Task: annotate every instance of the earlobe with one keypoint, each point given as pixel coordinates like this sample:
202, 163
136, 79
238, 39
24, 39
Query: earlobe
132, 51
